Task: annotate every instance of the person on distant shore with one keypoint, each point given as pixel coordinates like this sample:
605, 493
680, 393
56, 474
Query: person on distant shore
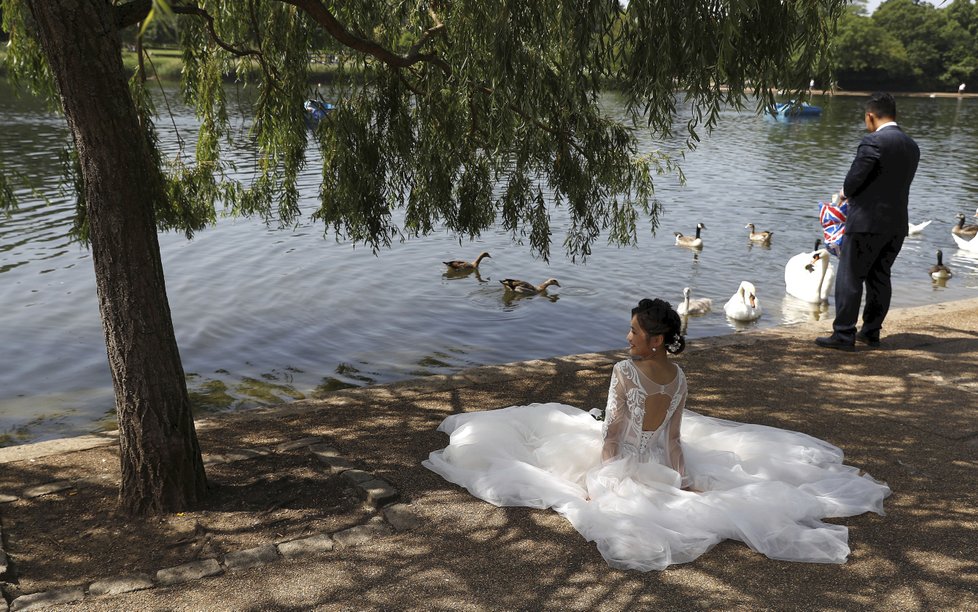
877, 187
654, 484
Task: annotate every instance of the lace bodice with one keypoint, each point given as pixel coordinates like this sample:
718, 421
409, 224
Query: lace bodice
625, 413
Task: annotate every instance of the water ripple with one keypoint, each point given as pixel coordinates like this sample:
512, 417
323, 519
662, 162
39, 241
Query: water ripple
300, 314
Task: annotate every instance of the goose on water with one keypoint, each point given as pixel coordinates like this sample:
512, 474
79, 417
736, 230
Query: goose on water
965, 231
689, 307
744, 305
519, 286
691, 241
763, 237
809, 276
461, 264
939, 271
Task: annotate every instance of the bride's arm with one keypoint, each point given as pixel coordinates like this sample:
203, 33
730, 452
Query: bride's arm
615, 416
674, 443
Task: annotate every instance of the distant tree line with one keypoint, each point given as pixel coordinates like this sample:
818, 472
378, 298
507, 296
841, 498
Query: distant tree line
907, 45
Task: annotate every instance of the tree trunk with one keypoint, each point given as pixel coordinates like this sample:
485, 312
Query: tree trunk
162, 470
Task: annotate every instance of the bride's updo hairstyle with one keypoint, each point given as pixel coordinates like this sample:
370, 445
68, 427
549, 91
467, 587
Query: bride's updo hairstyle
658, 317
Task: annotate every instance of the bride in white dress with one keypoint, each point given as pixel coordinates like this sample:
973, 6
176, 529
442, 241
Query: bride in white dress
654, 484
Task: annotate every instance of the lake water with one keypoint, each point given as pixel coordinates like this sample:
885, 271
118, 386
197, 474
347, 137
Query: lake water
265, 315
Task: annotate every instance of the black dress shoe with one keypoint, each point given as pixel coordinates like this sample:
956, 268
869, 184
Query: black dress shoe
836, 343
867, 340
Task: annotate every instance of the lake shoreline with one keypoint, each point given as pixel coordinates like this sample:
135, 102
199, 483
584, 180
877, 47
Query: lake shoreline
966, 308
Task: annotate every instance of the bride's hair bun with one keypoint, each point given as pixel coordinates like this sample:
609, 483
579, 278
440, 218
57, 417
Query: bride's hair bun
658, 317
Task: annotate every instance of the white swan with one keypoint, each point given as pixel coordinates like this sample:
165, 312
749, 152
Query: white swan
914, 229
967, 245
810, 276
699, 306
743, 305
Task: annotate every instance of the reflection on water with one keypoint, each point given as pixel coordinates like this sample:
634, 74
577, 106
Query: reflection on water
794, 310
264, 315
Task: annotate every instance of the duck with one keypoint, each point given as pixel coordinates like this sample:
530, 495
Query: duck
914, 229
461, 264
697, 307
763, 237
690, 241
965, 231
519, 286
939, 271
809, 276
744, 305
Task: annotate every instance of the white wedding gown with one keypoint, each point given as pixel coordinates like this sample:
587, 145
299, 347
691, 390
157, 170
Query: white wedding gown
650, 499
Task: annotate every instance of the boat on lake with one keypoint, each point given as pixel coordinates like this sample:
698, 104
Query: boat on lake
316, 110
792, 110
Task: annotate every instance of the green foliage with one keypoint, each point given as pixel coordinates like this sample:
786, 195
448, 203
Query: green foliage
869, 54
468, 114
24, 60
7, 201
908, 45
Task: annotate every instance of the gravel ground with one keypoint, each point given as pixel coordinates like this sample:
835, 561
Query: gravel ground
904, 413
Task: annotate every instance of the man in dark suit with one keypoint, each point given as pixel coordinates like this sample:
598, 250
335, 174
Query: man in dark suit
878, 188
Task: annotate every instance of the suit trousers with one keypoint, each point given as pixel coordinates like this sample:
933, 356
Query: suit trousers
865, 259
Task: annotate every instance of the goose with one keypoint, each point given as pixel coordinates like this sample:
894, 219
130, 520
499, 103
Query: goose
810, 276
764, 237
967, 245
913, 230
965, 231
699, 306
690, 241
461, 264
518, 286
744, 305
939, 270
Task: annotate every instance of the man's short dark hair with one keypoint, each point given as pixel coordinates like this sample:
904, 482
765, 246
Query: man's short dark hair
881, 104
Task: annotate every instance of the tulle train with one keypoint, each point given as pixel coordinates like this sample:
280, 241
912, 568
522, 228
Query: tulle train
764, 486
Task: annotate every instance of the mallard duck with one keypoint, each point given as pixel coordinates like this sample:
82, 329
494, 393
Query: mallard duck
914, 229
809, 276
965, 231
744, 305
461, 264
699, 306
690, 241
518, 286
763, 237
939, 270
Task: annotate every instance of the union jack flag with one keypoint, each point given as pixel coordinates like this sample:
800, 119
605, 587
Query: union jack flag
833, 219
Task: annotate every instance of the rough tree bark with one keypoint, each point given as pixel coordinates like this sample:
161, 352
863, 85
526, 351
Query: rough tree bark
162, 470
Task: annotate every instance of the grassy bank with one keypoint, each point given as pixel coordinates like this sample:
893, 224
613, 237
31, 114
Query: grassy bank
167, 65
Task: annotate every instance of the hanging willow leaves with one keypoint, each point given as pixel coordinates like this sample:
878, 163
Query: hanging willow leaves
465, 114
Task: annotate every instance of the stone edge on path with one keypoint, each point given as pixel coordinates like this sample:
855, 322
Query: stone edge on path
376, 492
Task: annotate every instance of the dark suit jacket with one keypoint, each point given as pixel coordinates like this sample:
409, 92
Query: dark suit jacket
878, 182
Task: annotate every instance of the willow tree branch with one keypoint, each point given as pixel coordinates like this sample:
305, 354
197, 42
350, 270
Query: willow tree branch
191, 9
131, 13
322, 15
559, 133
